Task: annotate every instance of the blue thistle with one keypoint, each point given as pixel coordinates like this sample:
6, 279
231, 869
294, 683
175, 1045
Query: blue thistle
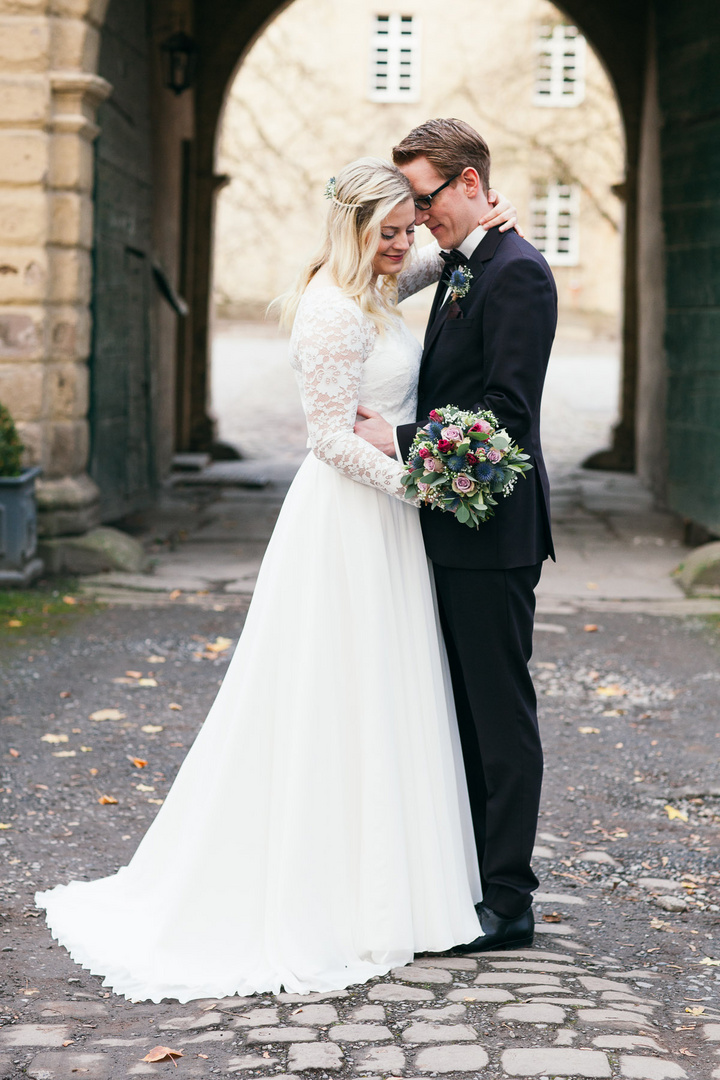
485, 472
455, 463
417, 462
435, 430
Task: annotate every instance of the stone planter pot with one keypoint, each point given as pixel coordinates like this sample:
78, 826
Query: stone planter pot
19, 563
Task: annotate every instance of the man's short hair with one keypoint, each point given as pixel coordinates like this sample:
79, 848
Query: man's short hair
449, 145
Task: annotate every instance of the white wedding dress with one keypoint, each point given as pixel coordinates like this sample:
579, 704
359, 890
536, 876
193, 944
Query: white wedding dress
318, 832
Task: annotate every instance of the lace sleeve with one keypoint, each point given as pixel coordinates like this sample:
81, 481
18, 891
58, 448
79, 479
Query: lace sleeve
331, 345
425, 269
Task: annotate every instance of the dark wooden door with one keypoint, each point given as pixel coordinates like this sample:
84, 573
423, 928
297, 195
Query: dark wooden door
122, 460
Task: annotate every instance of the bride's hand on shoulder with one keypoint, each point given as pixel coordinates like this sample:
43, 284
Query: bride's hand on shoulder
503, 213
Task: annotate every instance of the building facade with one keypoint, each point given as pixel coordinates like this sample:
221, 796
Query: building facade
109, 114
328, 82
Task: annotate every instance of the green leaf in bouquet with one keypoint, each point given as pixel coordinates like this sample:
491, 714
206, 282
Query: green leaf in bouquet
500, 442
479, 436
463, 447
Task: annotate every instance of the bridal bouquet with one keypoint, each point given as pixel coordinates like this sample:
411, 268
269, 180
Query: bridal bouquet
459, 461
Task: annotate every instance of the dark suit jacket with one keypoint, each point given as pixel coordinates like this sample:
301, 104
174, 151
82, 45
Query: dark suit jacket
494, 357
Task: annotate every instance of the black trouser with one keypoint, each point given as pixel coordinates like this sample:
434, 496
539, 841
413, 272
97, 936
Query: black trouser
487, 621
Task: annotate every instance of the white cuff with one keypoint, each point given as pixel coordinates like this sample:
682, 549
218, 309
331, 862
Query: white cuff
398, 455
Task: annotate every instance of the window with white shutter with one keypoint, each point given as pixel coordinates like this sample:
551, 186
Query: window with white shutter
395, 58
554, 222
560, 72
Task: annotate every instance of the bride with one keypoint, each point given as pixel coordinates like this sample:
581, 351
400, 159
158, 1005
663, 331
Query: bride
318, 833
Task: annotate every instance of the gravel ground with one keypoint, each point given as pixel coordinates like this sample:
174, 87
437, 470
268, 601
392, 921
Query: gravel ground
627, 848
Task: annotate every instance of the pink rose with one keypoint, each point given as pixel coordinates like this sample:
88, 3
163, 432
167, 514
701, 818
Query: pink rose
463, 485
424, 452
423, 487
452, 433
436, 417
433, 465
482, 426
494, 456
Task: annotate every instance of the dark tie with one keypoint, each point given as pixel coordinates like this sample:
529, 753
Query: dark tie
453, 259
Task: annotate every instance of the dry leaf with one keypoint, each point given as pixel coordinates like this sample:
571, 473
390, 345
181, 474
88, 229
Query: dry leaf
673, 813
122, 680
592, 585
158, 802
143, 787
13, 752
54, 738
155, 659
107, 714
163, 1053
134, 674
151, 729
68, 1042
69, 600
553, 917
174, 705
86, 749
175, 593
65, 693
5, 825
218, 645
147, 682
138, 762
589, 730
107, 800
696, 1010
14, 622
63, 753
590, 628
707, 962
613, 690
206, 1056
93, 772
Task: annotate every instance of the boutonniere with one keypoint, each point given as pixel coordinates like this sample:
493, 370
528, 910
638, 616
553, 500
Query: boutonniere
459, 283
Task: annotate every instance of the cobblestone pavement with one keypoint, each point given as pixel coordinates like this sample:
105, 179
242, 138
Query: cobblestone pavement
624, 976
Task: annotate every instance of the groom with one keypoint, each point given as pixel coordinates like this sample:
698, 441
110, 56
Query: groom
492, 355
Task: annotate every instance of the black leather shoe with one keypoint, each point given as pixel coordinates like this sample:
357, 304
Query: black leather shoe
501, 933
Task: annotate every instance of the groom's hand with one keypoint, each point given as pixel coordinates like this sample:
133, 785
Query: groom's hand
371, 427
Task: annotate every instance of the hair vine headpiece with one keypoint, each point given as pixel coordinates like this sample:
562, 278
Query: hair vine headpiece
331, 193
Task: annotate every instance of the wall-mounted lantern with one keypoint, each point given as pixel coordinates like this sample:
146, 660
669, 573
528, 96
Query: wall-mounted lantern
180, 55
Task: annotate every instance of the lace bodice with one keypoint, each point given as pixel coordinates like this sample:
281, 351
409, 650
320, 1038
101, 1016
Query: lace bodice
342, 361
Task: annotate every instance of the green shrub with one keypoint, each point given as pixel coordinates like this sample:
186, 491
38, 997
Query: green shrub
10, 446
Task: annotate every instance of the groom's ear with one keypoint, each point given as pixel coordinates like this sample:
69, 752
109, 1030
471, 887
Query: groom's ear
470, 180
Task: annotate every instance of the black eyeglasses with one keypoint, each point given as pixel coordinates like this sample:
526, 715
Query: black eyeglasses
424, 202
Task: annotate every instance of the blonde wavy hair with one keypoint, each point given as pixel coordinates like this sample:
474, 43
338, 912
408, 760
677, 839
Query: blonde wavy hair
366, 191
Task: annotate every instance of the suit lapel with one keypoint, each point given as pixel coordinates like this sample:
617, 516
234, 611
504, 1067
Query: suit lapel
482, 254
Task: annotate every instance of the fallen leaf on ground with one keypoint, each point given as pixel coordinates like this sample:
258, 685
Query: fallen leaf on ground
673, 813
13, 752
54, 738
158, 802
163, 1053
707, 962
590, 628
175, 593
68, 1042
151, 729
107, 714
65, 693
5, 825
147, 682
174, 705
63, 753
218, 645
122, 680
613, 690
134, 674
143, 787
86, 749
552, 917
14, 622
696, 1010
69, 600
155, 659
592, 585
589, 730
138, 762
107, 800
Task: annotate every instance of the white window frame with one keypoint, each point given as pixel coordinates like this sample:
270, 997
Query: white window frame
560, 71
555, 222
395, 48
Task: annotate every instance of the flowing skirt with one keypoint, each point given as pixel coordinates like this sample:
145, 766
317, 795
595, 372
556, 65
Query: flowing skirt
318, 832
